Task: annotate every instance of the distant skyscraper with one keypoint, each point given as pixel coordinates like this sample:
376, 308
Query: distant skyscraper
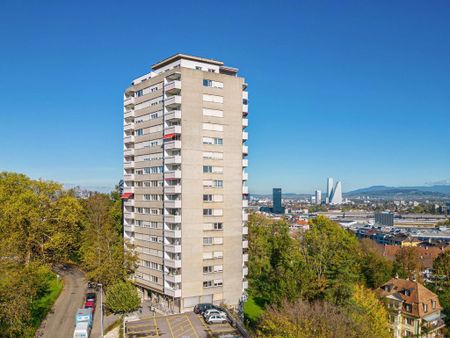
277, 208
329, 188
318, 196
336, 195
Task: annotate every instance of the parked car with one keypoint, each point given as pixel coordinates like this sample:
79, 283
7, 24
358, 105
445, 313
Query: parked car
90, 305
91, 297
216, 319
90, 285
210, 312
200, 308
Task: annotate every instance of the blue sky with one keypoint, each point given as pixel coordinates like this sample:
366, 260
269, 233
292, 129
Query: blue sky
357, 90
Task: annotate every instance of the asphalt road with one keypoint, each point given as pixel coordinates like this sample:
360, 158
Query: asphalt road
60, 321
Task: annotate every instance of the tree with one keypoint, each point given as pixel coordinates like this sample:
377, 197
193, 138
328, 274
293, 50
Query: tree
441, 268
407, 263
375, 268
102, 250
122, 297
368, 314
333, 255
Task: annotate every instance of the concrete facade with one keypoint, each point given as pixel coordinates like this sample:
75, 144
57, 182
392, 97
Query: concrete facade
185, 182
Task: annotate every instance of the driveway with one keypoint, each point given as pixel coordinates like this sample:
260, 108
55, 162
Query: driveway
60, 321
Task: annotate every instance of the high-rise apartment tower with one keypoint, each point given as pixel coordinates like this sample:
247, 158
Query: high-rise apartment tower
185, 192
277, 206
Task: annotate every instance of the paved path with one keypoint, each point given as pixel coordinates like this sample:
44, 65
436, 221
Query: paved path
60, 321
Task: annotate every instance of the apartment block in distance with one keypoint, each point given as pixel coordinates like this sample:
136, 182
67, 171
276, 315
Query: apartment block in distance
185, 182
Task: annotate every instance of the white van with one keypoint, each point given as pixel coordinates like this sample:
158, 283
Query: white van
82, 330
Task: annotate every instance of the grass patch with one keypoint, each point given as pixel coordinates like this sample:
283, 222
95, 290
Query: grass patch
252, 309
41, 306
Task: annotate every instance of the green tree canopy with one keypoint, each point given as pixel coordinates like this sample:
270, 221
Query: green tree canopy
122, 297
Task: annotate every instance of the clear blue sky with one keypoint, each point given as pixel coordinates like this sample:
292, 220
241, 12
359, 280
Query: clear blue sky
357, 90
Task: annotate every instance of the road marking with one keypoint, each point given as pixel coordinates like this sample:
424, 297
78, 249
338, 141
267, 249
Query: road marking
195, 331
156, 327
170, 327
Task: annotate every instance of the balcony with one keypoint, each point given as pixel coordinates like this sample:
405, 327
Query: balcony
244, 217
173, 87
128, 114
172, 248
174, 76
244, 271
245, 109
172, 278
244, 135
244, 203
172, 263
128, 139
128, 164
173, 115
128, 102
172, 174
128, 228
245, 150
172, 293
128, 190
172, 189
245, 230
245, 176
172, 218
245, 244
245, 284
172, 233
129, 203
172, 130
172, 145
173, 159
245, 123
245, 257
128, 127
245, 163
173, 101
128, 152
172, 204
128, 177
128, 214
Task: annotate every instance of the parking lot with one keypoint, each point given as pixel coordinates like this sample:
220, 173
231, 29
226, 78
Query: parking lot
185, 325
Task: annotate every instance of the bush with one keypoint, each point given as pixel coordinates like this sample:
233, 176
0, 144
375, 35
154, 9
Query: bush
122, 297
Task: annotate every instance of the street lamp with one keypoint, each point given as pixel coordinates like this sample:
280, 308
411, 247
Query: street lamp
101, 306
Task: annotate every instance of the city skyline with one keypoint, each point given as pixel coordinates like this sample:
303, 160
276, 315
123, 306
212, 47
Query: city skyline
370, 71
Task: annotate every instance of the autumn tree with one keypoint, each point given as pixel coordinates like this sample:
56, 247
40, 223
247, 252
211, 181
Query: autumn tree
407, 263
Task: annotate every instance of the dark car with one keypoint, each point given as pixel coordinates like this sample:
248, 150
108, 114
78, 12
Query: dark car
200, 308
91, 297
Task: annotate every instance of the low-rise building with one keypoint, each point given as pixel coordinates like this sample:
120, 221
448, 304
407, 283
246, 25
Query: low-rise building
413, 309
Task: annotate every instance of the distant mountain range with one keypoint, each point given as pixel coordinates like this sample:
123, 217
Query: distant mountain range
381, 191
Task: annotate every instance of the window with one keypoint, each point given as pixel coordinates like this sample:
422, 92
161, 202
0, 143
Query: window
207, 198
207, 240
207, 212
212, 126
213, 84
208, 269
218, 283
153, 279
139, 93
425, 307
218, 141
433, 304
244, 101
409, 321
211, 70
198, 68
139, 132
218, 183
212, 112
218, 226
208, 284
408, 307
207, 169
212, 98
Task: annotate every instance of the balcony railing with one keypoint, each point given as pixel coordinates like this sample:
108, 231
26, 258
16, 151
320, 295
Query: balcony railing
244, 244
245, 176
173, 130
128, 114
128, 102
128, 152
245, 230
245, 163
172, 293
173, 115
245, 135
128, 127
173, 101
172, 174
172, 144
173, 278
245, 257
173, 87
172, 218
245, 122
128, 139
172, 189
172, 248
172, 204
245, 150
172, 233
172, 159
172, 263
128, 164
